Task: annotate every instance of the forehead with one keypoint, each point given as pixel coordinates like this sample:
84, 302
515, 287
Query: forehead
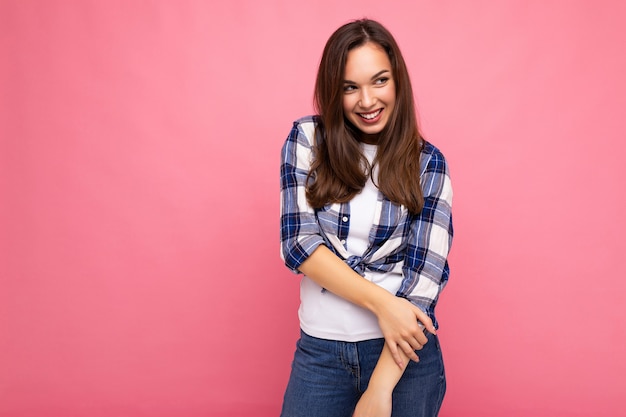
366, 60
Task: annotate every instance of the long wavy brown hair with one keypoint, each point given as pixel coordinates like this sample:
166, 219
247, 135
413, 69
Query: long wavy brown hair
339, 169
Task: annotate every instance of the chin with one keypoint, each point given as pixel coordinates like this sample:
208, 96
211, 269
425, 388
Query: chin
372, 130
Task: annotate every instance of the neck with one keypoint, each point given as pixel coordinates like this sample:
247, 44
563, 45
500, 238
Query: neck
369, 139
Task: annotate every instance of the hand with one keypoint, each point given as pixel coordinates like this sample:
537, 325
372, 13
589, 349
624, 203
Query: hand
373, 403
399, 320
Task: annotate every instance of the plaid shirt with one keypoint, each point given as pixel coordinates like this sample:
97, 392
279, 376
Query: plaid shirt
415, 246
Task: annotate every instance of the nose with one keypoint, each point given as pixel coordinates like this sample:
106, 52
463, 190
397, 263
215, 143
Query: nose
367, 98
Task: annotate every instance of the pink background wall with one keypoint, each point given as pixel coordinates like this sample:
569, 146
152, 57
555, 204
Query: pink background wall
139, 151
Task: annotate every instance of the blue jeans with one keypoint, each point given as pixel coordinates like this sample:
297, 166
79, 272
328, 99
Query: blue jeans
328, 378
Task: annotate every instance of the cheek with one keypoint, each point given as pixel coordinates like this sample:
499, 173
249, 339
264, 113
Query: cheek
348, 104
390, 97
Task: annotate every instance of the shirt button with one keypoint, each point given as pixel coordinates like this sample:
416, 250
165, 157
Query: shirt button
343, 241
344, 218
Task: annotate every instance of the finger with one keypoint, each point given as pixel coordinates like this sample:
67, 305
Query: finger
424, 319
431, 328
421, 338
409, 351
393, 348
418, 344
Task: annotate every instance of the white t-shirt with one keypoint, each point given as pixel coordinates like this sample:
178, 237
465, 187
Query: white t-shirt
327, 316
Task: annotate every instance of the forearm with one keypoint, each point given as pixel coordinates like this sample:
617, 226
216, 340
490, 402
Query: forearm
331, 273
399, 320
387, 373
377, 398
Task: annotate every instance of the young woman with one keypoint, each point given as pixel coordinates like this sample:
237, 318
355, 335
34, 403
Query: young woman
365, 216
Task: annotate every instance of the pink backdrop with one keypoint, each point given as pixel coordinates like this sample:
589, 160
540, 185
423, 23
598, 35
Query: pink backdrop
139, 266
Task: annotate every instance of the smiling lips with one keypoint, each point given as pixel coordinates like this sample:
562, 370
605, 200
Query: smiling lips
371, 117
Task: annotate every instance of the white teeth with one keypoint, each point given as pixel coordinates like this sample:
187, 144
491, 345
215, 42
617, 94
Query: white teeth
370, 116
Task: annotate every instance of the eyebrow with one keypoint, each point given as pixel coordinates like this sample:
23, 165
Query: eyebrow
378, 74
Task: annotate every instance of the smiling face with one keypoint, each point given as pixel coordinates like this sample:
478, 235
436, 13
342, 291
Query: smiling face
369, 91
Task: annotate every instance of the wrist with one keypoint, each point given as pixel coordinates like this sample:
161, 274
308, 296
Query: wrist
382, 388
378, 299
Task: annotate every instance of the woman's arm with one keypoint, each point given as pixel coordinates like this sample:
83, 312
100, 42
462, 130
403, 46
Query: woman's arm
429, 240
376, 400
397, 317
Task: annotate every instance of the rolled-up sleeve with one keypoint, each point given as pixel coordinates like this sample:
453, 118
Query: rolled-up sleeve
299, 231
425, 266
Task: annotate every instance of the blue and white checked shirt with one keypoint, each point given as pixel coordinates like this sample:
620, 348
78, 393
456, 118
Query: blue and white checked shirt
416, 246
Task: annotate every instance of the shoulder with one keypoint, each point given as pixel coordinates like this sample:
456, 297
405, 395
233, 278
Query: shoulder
432, 159
302, 134
307, 120
303, 130
299, 144
435, 177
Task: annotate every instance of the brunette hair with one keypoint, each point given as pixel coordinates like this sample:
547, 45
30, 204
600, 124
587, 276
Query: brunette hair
339, 169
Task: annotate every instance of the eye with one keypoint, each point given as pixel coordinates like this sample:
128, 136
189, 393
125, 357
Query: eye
348, 88
381, 80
